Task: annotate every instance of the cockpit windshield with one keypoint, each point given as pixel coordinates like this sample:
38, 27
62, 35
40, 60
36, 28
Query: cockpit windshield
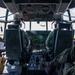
33, 25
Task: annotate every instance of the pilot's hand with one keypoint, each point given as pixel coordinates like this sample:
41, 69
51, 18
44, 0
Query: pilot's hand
49, 68
47, 65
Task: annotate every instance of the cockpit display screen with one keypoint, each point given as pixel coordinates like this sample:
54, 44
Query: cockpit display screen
38, 36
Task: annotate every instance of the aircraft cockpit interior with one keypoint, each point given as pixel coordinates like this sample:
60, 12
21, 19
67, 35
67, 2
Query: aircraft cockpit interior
40, 40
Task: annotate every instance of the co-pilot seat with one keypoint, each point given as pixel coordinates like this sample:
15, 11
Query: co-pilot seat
15, 42
61, 38
64, 38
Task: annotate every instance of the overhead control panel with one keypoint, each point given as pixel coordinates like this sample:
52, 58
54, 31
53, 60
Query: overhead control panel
37, 9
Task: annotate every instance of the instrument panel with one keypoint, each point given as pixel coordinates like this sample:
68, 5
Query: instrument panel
37, 64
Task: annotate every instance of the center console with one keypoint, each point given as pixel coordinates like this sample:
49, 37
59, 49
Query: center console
37, 64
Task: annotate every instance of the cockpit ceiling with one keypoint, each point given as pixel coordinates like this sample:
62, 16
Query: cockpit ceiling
72, 5
23, 1
38, 1
2, 4
37, 9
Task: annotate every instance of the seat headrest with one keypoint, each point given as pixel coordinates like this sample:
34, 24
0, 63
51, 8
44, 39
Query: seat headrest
14, 26
64, 25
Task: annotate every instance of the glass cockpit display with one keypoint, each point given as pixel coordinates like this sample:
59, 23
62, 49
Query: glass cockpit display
38, 38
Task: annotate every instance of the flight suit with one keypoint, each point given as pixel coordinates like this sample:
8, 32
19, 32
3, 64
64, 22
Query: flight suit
49, 41
68, 55
64, 61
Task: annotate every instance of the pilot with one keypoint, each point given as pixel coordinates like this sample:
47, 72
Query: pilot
58, 18
27, 42
49, 39
66, 62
